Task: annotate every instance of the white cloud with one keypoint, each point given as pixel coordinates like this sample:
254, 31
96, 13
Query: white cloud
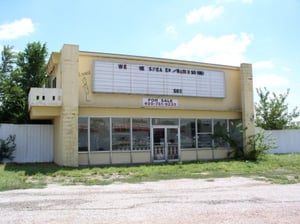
15, 29
263, 65
205, 13
270, 80
226, 49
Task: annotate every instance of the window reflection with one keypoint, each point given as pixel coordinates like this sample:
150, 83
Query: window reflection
236, 131
124, 134
187, 133
220, 133
204, 127
83, 134
120, 134
141, 134
99, 134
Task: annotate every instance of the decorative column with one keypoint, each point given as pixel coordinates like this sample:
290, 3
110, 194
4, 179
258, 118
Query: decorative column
247, 104
69, 112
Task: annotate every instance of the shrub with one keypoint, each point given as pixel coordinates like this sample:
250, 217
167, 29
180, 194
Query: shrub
256, 148
258, 145
7, 147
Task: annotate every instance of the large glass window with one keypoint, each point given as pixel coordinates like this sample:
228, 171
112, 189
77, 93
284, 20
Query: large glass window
120, 134
105, 134
220, 133
83, 141
236, 132
140, 134
99, 134
204, 133
187, 133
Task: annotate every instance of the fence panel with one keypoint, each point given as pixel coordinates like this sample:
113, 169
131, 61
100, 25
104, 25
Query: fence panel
34, 143
287, 141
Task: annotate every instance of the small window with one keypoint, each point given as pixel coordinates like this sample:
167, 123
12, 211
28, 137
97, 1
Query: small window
83, 134
164, 121
53, 85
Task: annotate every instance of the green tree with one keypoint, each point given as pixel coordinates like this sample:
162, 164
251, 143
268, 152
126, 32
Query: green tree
8, 59
12, 99
272, 111
13, 102
18, 73
31, 71
32, 66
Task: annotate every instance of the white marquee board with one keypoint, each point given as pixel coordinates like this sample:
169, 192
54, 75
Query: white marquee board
120, 77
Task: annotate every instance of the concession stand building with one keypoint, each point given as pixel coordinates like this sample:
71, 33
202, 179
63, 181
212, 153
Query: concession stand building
121, 109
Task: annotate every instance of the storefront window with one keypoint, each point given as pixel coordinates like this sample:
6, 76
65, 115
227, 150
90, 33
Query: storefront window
83, 134
187, 133
204, 133
124, 134
140, 134
235, 132
220, 132
120, 134
99, 134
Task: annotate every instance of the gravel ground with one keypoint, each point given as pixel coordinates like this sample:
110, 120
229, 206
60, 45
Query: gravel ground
228, 200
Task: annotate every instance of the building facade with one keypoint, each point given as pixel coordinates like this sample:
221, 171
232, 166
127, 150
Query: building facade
120, 109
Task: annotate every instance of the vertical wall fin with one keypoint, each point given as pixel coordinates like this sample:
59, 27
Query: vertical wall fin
247, 103
68, 136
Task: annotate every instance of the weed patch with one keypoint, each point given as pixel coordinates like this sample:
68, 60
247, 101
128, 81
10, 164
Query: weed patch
282, 169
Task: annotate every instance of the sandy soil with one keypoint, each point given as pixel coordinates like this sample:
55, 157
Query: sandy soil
229, 200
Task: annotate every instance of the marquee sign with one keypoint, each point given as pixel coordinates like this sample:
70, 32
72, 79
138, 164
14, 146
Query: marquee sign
120, 77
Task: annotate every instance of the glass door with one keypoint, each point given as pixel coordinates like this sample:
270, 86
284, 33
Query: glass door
165, 144
159, 144
172, 143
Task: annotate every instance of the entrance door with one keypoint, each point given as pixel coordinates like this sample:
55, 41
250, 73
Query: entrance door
165, 144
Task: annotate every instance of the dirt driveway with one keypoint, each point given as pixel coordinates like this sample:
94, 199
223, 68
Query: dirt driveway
228, 200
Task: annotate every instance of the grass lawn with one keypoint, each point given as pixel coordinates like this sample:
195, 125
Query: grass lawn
282, 169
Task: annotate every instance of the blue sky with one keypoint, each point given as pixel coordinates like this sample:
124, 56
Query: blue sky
262, 32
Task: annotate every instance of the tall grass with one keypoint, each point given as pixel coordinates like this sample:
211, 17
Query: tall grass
283, 169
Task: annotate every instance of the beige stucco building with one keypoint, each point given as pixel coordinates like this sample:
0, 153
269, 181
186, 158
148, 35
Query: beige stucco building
120, 109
